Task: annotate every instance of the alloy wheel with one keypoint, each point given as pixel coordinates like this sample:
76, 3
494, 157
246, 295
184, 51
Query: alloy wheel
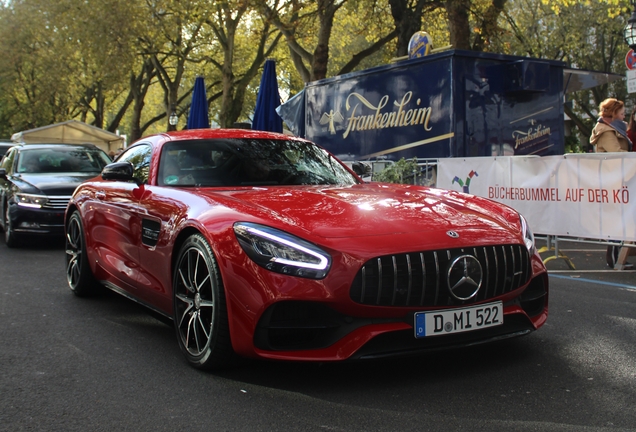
74, 253
78, 271
195, 301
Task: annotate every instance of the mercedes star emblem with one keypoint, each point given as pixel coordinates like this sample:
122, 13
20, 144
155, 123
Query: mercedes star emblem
464, 277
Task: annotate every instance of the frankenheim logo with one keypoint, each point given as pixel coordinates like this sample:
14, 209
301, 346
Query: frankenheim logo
533, 133
331, 118
381, 116
529, 138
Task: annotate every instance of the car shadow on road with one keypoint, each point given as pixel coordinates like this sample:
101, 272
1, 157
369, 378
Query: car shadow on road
431, 367
39, 242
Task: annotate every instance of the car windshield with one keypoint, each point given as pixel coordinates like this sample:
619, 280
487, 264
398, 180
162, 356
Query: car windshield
249, 162
61, 160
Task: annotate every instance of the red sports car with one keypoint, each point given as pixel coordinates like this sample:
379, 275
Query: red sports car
265, 245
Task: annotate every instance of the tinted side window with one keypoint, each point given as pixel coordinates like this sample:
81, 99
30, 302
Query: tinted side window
7, 161
4, 148
139, 157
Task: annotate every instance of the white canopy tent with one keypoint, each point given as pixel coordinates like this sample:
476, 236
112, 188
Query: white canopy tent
71, 132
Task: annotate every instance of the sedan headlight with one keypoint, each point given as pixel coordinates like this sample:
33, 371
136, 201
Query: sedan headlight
31, 201
280, 252
528, 237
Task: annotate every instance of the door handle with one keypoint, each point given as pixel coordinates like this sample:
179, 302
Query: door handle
100, 195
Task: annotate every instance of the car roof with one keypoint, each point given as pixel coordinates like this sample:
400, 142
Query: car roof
194, 134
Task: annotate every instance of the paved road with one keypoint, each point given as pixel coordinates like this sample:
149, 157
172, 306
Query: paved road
104, 364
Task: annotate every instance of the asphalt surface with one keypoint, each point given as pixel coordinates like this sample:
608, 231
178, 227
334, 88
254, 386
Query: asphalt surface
104, 364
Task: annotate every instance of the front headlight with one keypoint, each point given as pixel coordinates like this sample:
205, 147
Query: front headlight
528, 237
31, 201
280, 252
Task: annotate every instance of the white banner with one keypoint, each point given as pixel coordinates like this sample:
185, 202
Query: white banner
631, 80
578, 195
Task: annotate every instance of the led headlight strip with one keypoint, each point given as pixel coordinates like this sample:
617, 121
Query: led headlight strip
31, 201
528, 237
273, 249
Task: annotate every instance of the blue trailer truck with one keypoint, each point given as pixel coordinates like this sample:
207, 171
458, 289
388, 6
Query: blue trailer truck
449, 104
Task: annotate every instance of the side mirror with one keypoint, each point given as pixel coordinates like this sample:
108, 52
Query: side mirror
122, 171
3, 173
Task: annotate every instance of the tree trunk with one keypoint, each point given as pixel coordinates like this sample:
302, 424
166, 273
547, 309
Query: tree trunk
138, 88
227, 74
489, 27
326, 12
98, 112
458, 26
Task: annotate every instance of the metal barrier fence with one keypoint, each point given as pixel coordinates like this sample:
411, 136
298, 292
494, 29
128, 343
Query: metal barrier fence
552, 245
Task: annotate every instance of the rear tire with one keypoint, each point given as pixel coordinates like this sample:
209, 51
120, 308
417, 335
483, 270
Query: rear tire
200, 313
78, 272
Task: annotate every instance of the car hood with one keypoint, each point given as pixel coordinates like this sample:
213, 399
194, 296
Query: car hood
373, 209
50, 184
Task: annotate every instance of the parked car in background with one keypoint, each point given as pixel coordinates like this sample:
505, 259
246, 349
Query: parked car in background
267, 246
36, 184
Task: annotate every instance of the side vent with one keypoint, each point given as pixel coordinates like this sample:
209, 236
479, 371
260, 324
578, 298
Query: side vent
150, 232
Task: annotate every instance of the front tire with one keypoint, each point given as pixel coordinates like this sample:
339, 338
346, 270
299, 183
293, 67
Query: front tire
10, 237
200, 313
78, 272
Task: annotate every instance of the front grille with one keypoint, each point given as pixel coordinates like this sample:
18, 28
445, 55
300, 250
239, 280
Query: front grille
57, 202
420, 278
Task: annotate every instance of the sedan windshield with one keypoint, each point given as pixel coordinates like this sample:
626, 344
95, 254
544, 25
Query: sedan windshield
249, 162
61, 160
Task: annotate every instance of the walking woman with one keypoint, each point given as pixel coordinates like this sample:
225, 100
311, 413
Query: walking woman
610, 135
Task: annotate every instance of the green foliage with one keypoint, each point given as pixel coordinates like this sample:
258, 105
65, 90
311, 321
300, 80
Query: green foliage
88, 59
573, 145
402, 171
62, 59
358, 25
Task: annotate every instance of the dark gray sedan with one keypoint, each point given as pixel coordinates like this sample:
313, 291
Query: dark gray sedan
36, 184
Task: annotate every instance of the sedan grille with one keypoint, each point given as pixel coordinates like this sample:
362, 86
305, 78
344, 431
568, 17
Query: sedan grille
422, 278
57, 202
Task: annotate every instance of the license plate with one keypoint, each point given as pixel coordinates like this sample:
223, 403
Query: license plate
458, 320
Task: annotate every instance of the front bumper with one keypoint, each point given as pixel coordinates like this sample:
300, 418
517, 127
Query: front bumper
36, 221
280, 317
313, 331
